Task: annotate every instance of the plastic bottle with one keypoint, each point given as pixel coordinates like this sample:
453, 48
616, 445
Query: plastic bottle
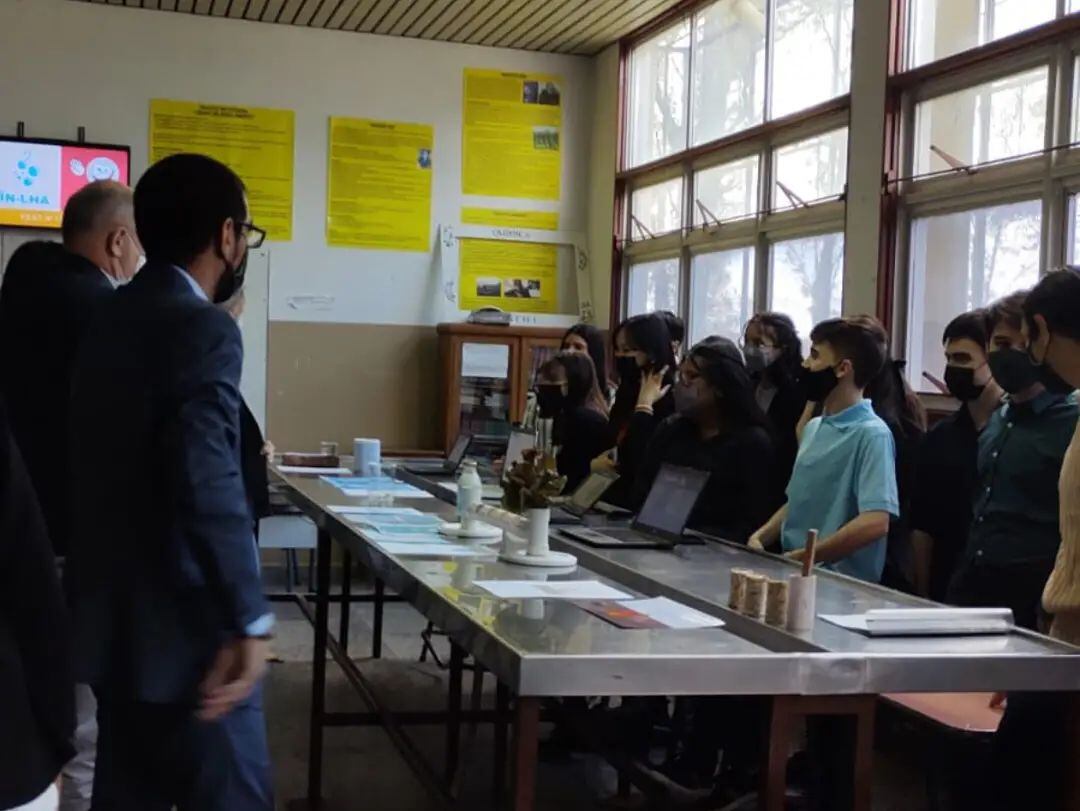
470, 493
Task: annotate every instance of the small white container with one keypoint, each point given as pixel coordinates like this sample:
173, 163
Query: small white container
470, 494
802, 597
367, 457
539, 523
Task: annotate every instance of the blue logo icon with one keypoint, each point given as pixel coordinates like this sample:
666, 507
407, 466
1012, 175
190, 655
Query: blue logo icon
25, 171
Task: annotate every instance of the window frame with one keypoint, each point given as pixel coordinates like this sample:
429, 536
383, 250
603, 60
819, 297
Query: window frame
1050, 177
760, 228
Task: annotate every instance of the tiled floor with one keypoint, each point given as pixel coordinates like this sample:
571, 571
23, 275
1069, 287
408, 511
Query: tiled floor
363, 770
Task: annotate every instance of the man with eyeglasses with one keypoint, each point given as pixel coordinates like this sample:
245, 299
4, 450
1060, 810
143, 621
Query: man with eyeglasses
170, 625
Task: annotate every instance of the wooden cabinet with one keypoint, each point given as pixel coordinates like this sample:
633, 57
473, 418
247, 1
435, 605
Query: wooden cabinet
483, 386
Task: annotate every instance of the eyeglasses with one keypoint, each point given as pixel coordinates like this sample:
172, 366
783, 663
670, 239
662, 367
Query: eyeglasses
254, 235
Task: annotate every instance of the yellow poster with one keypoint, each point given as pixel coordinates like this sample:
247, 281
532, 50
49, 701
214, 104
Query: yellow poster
519, 277
255, 143
379, 191
506, 218
512, 132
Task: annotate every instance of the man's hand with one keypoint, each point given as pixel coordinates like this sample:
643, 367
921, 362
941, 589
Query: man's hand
755, 542
795, 554
239, 665
998, 701
652, 388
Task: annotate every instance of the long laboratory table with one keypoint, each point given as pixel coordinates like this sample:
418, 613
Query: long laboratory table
541, 649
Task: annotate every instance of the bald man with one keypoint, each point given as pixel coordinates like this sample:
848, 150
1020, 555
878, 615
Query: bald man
48, 298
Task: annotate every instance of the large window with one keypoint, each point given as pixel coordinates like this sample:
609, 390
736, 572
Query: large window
988, 166
717, 72
735, 169
963, 261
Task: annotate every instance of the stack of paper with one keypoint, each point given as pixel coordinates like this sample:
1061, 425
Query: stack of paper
926, 621
555, 590
443, 549
359, 486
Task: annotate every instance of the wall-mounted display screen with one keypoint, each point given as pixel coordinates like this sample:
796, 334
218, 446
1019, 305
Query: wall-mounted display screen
37, 178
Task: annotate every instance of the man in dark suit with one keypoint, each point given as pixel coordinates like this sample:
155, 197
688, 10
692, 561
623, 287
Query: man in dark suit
49, 296
37, 695
171, 626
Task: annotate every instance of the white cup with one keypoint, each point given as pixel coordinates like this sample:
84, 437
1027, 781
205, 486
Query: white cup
366, 456
802, 597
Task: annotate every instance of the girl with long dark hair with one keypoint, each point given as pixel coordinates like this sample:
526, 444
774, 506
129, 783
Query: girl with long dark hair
567, 393
645, 364
774, 359
589, 340
719, 428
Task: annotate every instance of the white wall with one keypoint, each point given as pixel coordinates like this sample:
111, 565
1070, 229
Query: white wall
68, 64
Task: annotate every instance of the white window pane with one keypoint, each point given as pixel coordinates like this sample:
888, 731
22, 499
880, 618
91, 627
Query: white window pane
658, 207
999, 119
729, 190
940, 28
963, 261
812, 53
721, 293
811, 169
1073, 245
1076, 97
728, 89
807, 280
657, 125
654, 286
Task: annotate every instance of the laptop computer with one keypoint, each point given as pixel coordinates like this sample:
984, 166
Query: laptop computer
442, 467
583, 499
662, 518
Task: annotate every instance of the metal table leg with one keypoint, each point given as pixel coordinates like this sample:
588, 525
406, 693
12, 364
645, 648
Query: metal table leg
526, 730
318, 680
376, 631
502, 711
453, 712
346, 593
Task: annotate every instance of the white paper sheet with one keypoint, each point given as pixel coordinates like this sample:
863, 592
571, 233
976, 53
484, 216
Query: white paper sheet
349, 509
672, 614
415, 493
446, 550
555, 590
485, 360
297, 470
853, 622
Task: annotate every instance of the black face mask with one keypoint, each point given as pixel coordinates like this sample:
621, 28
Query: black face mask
818, 385
549, 399
961, 383
629, 371
1048, 377
1013, 369
231, 281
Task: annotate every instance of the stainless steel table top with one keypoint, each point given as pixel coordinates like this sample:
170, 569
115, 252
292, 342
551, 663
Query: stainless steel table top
553, 648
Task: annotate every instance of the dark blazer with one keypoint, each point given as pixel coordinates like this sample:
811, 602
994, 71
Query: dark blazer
162, 567
784, 412
37, 690
47, 300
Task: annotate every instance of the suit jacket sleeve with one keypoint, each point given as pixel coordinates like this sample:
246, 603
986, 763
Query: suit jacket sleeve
212, 507
32, 607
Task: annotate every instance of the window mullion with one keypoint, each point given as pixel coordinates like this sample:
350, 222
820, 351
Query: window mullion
770, 34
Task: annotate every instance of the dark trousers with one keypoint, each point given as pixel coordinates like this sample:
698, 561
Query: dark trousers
1031, 752
1018, 587
152, 757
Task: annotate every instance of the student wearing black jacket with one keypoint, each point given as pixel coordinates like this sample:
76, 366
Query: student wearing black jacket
589, 340
718, 428
774, 360
567, 393
643, 360
37, 688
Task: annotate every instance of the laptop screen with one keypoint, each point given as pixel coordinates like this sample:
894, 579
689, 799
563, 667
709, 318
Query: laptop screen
457, 453
519, 442
589, 492
671, 499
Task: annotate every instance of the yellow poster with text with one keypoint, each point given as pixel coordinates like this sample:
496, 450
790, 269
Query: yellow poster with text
255, 143
519, 277
379, 190
507, 218
512, 132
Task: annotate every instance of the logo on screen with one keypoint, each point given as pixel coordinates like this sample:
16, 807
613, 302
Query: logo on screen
26, 174
96, 170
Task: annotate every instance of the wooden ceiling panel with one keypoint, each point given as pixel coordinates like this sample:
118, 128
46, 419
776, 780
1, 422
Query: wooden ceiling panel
583, 27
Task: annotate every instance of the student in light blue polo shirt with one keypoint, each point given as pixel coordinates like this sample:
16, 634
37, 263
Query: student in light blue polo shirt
844, 481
